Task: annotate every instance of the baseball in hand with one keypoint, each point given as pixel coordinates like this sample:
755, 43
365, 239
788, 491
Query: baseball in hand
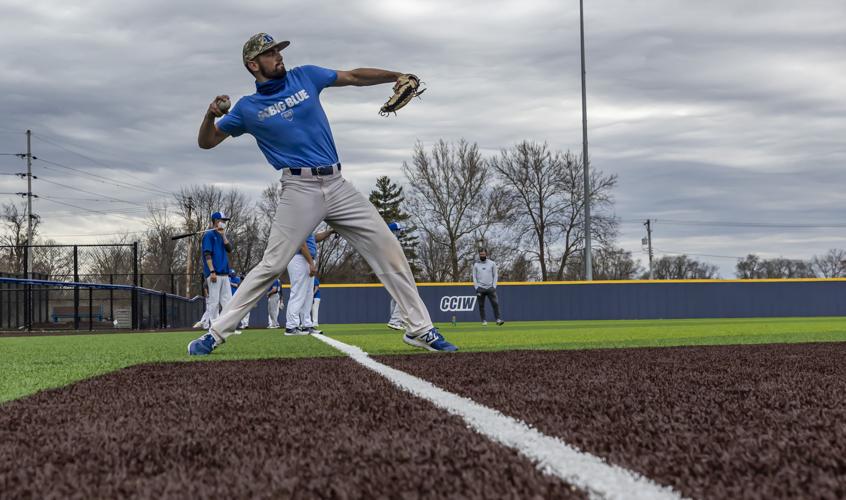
223, 105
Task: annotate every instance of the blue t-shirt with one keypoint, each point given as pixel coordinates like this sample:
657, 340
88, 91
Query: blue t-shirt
233, 282
396, 228
316, 292
213, 242
311, 241
289, 125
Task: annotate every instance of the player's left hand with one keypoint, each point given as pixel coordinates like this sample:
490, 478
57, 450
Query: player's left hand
312, 269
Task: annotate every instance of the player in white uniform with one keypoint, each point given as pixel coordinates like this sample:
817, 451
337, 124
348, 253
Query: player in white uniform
395, 322
273, 296
204, 321
301, 271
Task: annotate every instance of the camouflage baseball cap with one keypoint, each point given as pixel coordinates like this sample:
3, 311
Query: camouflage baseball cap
261, 42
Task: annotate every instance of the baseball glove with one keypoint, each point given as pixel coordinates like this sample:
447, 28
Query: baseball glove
406, 88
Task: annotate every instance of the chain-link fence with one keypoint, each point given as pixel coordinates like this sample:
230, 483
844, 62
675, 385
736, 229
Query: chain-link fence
89, 287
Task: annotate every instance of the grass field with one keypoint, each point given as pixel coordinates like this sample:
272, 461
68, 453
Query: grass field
31, 364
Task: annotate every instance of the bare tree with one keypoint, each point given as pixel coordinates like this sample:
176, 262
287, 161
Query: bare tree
749, 267
110, 259
434, 258
14, 235
53, 262
615, 264
162, 256
570, 227
680, 267
266, 208
246, 235
452, 197
520, 268
608, 264
532, 176
831, 264
753, 267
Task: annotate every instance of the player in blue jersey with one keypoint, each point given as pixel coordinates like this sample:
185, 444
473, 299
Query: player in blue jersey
215, 258
315, 304
286, 119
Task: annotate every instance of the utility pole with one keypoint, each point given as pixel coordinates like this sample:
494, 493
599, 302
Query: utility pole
29, 215
588, 263
189, 261
648, 238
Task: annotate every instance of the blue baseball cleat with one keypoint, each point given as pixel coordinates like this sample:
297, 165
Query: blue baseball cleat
202, 346
431, 340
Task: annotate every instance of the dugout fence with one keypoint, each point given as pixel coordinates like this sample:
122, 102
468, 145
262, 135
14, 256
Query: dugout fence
90, 287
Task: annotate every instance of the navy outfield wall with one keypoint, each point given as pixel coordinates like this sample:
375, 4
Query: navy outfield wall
592, 300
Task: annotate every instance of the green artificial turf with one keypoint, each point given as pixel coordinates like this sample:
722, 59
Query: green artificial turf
30, 364
472, 337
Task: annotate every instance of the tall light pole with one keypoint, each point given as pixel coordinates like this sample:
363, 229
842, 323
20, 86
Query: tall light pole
588, 263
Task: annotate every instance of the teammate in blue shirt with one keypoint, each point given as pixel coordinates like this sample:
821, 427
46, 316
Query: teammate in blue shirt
234, 281
286, 119
315, 305
215, 250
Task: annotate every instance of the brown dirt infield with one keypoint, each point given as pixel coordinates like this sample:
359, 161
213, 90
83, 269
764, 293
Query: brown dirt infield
764, 421
319, 428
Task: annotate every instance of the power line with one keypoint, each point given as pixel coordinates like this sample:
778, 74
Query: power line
777, 225
671, 252
88, 209
91, 234
64, 186
105, 180
93, 199
39, 136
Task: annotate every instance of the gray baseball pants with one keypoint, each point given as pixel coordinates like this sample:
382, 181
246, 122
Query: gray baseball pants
305, 201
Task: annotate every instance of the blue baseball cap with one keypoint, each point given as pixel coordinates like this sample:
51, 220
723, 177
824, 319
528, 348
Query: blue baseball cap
219, 216
396, 227
232, 272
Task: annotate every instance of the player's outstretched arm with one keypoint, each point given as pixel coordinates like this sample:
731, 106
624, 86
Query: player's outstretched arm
209, 135
363, 77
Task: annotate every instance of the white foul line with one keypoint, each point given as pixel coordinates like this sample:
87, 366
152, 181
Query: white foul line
552, 456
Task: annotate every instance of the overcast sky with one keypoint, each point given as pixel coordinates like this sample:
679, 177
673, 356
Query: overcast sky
722, 112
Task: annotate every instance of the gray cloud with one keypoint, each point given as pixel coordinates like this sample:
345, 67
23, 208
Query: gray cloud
708, 111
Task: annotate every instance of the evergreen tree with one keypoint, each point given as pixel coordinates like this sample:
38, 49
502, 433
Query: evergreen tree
389, 201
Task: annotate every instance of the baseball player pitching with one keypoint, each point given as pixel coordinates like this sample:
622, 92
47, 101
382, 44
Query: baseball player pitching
288, 122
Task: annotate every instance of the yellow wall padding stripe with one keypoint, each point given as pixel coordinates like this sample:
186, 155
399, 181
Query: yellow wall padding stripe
605, 282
